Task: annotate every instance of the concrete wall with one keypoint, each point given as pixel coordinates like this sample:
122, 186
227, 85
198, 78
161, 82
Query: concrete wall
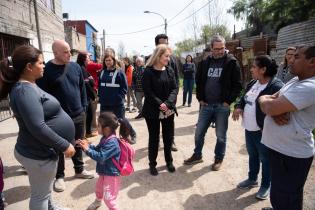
17, 18
75, 39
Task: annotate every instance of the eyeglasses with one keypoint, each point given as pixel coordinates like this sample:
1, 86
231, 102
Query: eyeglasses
218, 49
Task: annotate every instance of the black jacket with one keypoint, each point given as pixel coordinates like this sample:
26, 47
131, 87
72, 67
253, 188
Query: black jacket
230, 79
158, 91
273, 86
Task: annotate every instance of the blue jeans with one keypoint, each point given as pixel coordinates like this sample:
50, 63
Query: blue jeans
188, 88
257, 153
218, 114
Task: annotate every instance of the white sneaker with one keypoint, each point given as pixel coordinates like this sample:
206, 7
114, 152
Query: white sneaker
84, 175
59, 185
95, 205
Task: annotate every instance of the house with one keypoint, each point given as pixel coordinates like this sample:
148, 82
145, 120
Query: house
85, 28
18, 25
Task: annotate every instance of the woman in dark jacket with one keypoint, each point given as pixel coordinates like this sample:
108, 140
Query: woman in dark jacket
264, 83
189, 70
83, 60
160, 90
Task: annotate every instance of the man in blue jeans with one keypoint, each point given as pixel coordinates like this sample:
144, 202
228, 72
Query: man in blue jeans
218, 84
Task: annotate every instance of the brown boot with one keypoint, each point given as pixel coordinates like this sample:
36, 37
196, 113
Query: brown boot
216, 165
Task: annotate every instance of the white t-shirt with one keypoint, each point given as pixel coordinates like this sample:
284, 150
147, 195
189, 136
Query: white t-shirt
249, 116
294, 139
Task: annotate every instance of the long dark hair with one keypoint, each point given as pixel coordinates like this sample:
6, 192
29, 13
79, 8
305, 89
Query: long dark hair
11, 68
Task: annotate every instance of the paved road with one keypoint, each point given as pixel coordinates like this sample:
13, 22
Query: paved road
189, 188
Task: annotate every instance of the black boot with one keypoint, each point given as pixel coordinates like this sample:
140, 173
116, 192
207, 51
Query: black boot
170, 167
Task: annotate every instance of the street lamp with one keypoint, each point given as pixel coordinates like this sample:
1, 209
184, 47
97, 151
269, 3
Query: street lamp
164, 19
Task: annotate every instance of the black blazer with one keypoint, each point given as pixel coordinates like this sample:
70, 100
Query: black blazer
158, 89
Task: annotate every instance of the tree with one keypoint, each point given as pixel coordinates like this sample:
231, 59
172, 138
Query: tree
185, 45
121, 50
207, 32
275, 13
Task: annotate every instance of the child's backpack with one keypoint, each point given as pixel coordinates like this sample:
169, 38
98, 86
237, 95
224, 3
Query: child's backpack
127, 154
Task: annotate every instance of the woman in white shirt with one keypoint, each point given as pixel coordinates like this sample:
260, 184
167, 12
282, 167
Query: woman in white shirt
263, 70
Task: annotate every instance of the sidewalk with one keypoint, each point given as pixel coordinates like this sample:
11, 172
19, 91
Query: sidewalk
189, 188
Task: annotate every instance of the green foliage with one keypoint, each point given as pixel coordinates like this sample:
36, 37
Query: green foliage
185, 45
206, 33
275, 13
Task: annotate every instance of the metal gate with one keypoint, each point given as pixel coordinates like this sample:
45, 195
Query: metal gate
7, 44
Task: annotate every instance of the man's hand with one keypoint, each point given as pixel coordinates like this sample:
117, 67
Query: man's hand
70, 151
281, 119
202, 103
236, 114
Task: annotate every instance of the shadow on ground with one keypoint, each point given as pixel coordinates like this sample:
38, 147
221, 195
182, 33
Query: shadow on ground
221, 200
17, 170
7, 135
17, 194
184, 131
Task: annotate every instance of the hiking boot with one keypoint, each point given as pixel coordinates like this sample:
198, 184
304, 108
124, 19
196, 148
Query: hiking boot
153, 171
193, 160
84, 175
95, 205
247, 184
59, 185
216, 165
263, 193
170, 167
174, 148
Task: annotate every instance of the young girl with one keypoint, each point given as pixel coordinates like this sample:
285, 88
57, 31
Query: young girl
108, 183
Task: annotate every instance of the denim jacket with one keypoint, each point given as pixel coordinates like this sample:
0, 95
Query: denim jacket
103, 153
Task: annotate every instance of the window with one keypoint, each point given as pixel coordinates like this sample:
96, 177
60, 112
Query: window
50, 4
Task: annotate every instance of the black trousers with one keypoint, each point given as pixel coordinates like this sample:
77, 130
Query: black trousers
154, 138
288, 176
89, 118
77, 159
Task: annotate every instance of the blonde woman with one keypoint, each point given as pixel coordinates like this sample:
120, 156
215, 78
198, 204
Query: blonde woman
160, 91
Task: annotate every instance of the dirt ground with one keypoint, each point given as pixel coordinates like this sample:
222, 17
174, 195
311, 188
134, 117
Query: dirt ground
189, 188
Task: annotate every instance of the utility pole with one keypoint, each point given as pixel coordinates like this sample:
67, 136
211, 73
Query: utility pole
103, 42
165, 26
37, 26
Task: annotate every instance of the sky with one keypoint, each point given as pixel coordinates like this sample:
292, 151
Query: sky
124, 16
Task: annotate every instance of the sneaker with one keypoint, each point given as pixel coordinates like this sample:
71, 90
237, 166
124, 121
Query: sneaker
193, 160
174, 148
247, 184
183, 104
216, 165
59, 185
84, 175
138, 116
170, 167
263, 193
189, 105
95, 205
133, 140
153, 171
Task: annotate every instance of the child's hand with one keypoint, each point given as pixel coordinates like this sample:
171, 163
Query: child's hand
83, 144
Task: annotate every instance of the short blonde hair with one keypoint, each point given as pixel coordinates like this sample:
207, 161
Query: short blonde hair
157, 53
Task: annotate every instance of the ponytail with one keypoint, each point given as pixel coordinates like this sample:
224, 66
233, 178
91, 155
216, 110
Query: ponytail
124, 129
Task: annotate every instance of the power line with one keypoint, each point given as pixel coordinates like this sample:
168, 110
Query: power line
134, 32
181, 11
191, 14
